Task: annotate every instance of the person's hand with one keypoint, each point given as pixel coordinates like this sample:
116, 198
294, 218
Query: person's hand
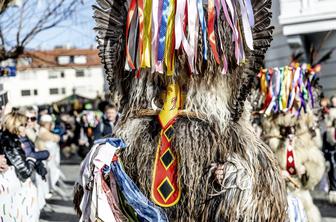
82, 142
3, 164
65, 137
41, 170
219, 173
69, 133
285, 175
301, 169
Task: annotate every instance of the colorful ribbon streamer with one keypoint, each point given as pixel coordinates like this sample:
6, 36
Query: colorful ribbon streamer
211, 30
145, 209
146, 56
163, 30
130, 14
155, 29
286, 88
204, 28
169, 53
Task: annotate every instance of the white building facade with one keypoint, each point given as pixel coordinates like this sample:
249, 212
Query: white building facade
299, 25
45, 85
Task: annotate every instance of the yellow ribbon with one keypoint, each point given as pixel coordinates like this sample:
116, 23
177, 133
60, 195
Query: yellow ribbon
285, 87
169, 56
146, 55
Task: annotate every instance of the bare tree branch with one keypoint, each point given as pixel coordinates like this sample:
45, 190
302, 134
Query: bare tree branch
20, 25
4, 4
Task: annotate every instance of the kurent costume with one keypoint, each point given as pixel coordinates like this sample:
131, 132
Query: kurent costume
181, 71
288, 97
330, 150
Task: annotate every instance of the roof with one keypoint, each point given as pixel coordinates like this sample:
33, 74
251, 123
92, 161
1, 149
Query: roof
49, 58
72, 98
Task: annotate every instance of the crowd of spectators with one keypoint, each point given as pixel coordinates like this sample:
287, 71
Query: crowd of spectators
32, 143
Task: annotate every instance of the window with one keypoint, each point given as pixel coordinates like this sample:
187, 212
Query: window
80, 73
80, 59
35, 92
63, 91
53, 91
62, 75
53, 75
25, 92
63, 60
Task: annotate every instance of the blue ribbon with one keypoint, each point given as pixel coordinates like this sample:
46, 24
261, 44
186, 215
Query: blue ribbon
145, 209
116, 142
204, 28
303, 103
310, 92
163, 30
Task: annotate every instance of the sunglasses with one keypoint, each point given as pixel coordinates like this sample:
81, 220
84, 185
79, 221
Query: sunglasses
33, 119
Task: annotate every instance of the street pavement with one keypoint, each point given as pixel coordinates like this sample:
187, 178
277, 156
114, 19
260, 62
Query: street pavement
63, 209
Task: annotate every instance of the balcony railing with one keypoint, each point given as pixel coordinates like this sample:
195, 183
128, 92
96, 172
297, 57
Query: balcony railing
306, 16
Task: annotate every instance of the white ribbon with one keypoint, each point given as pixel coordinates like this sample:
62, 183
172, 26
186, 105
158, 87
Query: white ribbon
196, 38
179, 16
155, 30
94, 204
246, 26
230, 5
192, 20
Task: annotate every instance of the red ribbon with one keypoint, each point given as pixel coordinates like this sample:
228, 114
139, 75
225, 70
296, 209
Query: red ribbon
131, 11
141, 28
211, 27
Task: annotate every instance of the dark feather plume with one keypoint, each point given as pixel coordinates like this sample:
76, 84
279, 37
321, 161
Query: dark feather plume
110, 17
262, 36
325, 57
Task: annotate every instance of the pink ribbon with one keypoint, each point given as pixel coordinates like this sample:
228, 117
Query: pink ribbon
155, 30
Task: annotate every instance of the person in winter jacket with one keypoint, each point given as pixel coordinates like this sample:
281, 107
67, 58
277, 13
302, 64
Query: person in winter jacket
16, 184
13, 126
107, 123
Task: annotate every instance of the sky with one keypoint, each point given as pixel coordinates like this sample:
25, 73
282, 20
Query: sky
76, 32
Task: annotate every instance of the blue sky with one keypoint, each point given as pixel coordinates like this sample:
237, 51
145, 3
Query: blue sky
76, 31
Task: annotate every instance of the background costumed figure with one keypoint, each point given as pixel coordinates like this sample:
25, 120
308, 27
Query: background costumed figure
181, 71
290, 127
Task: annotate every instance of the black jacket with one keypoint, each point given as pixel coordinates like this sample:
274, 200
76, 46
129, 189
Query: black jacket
103, 129
10, 146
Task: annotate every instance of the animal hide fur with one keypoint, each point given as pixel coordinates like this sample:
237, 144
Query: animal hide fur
308, 158
250, 176
220, 133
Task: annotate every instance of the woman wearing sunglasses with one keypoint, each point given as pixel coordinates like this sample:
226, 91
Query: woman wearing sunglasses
16, 185
32, 125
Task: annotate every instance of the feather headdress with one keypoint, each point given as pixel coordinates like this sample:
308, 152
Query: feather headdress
184, 39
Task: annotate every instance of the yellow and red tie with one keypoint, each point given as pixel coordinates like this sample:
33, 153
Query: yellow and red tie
166, 190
